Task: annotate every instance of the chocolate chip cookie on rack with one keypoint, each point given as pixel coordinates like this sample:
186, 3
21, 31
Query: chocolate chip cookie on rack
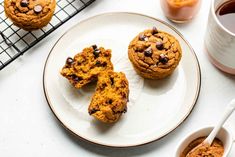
87, 65
29, 14
154, 54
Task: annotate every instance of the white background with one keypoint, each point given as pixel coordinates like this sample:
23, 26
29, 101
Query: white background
28, 127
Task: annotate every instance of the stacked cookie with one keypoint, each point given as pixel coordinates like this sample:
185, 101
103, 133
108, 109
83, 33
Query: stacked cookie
111, 95
29, 14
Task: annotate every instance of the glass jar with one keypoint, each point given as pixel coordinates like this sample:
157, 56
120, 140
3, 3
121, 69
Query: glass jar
180, 11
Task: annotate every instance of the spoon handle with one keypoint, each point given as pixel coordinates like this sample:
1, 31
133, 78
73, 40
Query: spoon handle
230, 108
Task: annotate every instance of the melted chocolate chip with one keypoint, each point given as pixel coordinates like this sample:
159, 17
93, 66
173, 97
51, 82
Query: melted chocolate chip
120, 112
104, 64
148, 52
37, 9
76, 78
163, 59
125, 109
24, 3
96, 52
159, 45
94, 47
98, 63
79, 62
92, 111
154, 30
142, 37
112, 81
103, 85
69, 60
110, 101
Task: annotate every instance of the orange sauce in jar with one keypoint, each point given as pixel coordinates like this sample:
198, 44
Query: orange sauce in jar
180, 10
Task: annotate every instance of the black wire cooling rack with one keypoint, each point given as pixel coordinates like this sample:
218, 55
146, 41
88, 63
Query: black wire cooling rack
14, 41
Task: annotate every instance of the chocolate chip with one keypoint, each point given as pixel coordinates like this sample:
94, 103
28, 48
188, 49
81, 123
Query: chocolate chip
103, 85
163, 59
159, 45
92, 111
110, 101
98, 63
104, 64
142, 37
13, 3
24, 3
125, 109
69, 60
148, 52
120, 112
79, 62
96, 52
37, 8
154, 30
75, 78
112, 81
94, 47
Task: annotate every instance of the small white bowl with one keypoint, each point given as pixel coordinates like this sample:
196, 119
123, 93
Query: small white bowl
224, 135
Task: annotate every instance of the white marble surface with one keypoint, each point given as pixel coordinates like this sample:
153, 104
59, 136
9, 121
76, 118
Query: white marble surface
28, 127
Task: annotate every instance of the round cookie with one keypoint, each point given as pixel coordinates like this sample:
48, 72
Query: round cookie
29, 14
154, 54
110, 99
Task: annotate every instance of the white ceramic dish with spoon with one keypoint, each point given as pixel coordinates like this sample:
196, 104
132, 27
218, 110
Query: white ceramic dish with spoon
211, 133
224, 135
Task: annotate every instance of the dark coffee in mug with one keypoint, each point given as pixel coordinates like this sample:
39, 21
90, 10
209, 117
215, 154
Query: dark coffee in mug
226, 15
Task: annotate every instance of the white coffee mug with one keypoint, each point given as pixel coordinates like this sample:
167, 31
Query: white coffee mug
219, 41
224, 135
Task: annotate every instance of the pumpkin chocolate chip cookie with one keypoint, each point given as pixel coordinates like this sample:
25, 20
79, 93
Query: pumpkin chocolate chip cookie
110, 98
154, 54
87, 65
30, 14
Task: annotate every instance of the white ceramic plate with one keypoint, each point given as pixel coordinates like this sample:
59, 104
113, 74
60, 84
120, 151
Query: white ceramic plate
156, 107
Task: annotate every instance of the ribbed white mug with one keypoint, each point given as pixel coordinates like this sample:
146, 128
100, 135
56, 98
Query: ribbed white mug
219, 41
